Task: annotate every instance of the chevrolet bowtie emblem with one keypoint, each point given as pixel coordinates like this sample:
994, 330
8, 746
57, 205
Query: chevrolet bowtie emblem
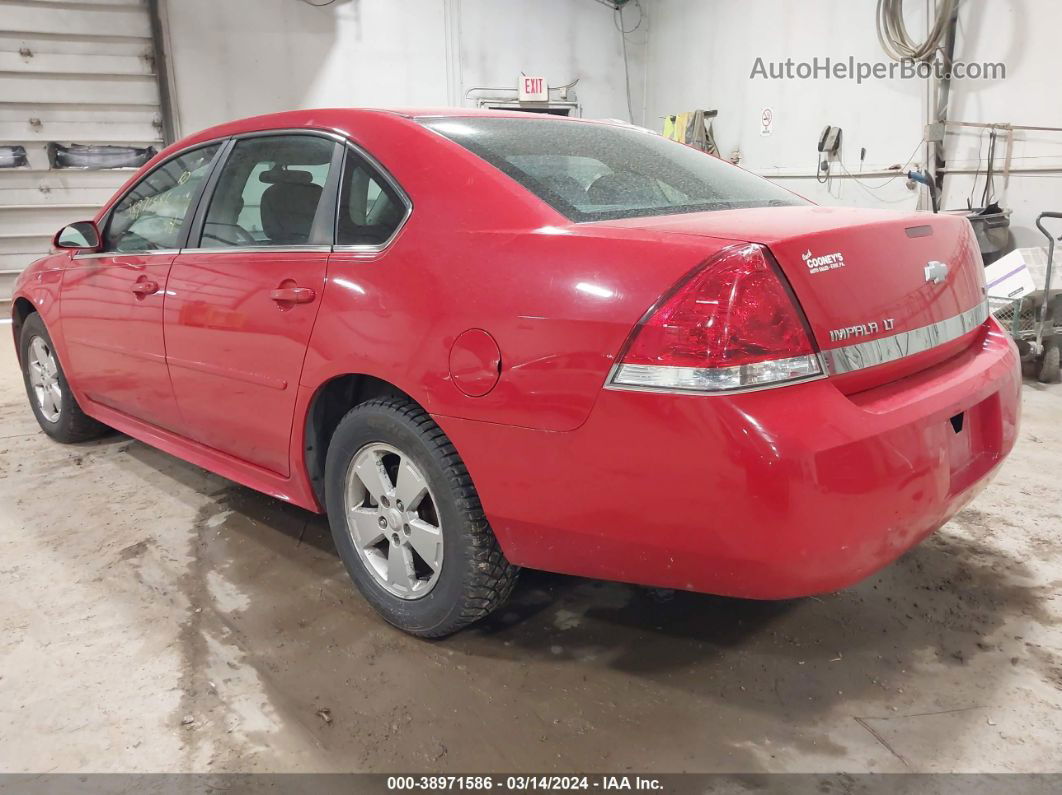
936, 272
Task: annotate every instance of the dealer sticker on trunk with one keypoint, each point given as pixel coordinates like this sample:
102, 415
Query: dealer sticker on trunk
826, 262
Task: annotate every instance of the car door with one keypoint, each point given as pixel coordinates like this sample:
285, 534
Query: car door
112, 300
242, 298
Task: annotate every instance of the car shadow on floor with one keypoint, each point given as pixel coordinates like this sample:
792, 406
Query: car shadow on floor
948, 592
880, 650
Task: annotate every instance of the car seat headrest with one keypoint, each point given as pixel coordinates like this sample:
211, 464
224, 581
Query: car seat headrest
285, 176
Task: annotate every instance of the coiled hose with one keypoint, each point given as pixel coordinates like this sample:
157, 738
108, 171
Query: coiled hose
897, 42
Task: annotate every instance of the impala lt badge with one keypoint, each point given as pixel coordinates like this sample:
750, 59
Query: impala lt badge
862, 329
936, 272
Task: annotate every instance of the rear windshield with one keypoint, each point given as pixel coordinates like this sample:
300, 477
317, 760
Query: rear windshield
592, 172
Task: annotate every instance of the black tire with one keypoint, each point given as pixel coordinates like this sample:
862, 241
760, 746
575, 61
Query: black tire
72, 424
474, 578
1049, 364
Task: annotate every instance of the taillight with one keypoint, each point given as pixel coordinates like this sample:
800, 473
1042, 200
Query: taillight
731, 325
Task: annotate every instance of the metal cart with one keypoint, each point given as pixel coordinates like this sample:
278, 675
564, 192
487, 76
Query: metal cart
1035, 320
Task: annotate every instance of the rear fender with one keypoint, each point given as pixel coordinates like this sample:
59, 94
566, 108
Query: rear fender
559, 302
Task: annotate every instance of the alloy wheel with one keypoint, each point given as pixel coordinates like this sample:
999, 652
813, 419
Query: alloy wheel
44, 378
393, 521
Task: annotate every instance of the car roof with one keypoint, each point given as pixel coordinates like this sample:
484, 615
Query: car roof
419, 113
348, 119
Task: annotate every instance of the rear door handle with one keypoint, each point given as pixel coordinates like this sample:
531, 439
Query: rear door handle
145, 287
293, 295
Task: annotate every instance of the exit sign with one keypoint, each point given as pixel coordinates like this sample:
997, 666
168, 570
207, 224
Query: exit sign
533, 89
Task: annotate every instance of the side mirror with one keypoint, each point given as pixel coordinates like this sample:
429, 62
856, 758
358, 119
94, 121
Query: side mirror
82, 235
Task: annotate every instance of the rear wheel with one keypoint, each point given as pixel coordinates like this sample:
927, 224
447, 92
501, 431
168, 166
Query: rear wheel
407, 521
1049, 364
50, 397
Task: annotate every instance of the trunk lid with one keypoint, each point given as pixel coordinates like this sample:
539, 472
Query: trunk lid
863, 275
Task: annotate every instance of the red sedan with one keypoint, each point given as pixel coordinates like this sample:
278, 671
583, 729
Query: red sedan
481, 341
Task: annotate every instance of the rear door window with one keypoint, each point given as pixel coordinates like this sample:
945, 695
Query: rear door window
269, 193
370, 209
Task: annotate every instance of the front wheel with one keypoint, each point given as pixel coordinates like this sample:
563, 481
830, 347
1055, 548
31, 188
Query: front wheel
407, 521
53, 403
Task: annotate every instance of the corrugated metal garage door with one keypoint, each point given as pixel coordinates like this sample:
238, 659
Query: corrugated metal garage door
70, 72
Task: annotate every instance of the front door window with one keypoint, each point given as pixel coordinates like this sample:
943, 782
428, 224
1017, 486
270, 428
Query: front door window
152, 215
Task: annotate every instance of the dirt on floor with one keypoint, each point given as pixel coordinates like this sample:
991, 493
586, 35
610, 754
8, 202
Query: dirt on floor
154, 617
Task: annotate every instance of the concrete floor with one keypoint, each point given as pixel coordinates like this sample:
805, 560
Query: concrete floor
154, 617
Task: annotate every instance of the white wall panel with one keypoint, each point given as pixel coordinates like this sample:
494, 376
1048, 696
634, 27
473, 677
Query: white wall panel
18, 244
91, 19
703, 53
44, 219
31, 123
72, 43
560, 39
75, 63
244, 57
80, 195
1023, 34
70, 72
94, 89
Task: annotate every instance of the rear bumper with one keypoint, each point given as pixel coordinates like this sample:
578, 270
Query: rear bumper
769, 495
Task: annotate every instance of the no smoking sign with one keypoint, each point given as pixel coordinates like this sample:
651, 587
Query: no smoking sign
766, 121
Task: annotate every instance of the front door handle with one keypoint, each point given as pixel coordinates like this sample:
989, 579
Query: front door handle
145, 287
293, 295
